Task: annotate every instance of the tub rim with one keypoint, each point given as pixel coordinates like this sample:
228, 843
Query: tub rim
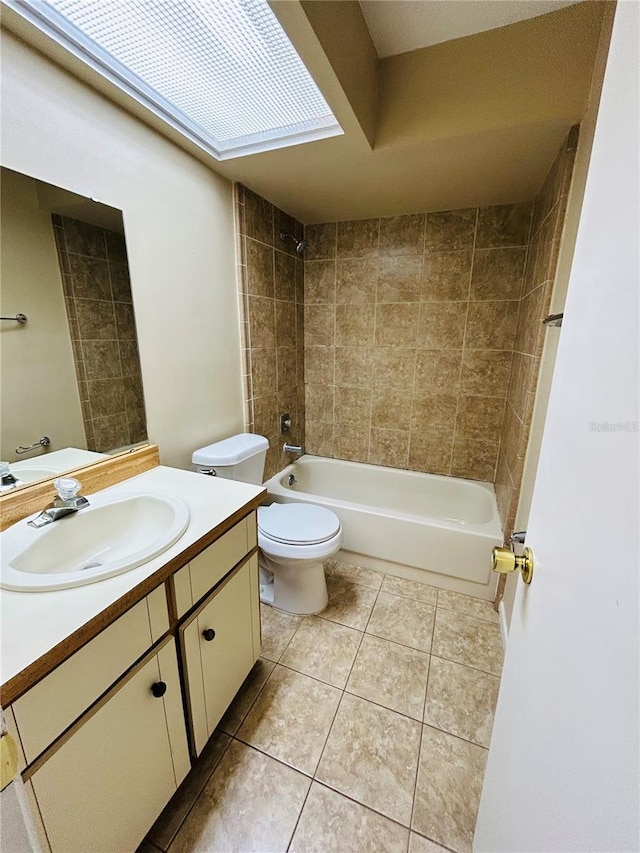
490, 528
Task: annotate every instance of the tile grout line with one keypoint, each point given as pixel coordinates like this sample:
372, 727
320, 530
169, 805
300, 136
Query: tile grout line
464, 339
343, 692
424, 705
295, 828
403, 714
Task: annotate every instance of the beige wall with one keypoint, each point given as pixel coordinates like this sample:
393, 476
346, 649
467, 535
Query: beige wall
494, 79
39, 389
410, 326
270, 282
345, 38
178, 218
474, 121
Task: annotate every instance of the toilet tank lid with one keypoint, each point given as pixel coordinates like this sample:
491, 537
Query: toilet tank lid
230, 451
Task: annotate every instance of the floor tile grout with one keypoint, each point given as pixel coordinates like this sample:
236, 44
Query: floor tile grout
397, 643
326, 740
293, 833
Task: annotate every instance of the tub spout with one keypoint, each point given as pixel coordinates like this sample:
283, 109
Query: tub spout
293, 448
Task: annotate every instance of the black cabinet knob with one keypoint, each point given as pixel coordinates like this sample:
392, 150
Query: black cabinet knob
208, 634
159, 689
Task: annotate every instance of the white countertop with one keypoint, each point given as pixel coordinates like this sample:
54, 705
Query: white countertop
34, 622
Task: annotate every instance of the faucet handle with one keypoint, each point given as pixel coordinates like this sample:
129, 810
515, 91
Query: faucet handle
67, 487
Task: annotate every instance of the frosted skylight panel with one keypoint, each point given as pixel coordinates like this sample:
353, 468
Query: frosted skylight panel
224, 70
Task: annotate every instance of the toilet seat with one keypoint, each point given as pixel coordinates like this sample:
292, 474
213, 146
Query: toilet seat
297, 524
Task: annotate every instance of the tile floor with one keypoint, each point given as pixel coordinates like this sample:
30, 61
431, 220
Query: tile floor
363, 729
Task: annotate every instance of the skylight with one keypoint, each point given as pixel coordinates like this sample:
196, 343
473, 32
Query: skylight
223, 72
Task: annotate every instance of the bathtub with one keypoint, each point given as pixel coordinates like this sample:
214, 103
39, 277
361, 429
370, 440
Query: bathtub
439, 530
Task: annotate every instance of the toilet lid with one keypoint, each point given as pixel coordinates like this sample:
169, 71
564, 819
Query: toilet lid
297, 524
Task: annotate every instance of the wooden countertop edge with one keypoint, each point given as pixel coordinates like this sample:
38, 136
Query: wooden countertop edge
30, 675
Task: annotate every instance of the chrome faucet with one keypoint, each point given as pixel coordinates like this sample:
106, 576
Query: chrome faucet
293, 448
68, 501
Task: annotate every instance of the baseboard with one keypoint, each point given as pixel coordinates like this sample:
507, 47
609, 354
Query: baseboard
504, 631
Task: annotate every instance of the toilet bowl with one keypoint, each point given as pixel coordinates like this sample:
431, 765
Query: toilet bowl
294, 538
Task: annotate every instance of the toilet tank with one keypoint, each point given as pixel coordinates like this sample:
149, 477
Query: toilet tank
240, 457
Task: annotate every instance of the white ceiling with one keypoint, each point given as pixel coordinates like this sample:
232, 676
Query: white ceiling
397, 26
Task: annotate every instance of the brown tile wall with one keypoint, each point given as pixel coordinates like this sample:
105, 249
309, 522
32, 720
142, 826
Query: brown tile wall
546, 230
409, 331
95, 276
270, 281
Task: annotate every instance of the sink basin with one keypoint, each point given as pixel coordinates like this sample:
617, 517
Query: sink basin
31, 473
116, 533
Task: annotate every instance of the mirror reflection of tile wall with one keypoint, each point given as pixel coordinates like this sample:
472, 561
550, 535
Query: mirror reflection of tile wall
95, 276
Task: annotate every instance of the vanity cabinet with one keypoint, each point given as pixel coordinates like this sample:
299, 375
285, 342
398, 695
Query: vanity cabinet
220, 642
115, 772
191, 583
57, 701
108, 735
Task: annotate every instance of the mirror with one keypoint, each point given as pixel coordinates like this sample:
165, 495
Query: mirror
71, 372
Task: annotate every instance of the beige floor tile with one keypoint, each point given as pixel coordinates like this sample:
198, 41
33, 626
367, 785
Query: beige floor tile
371, 756
410, 589
402, 620
467, 640
461, 700
356, 574
349, 603
332, 824
277, 629
291, 718
323, 649
467, 604
390, 675
244, 699
165, 828
418, 844
239, 809
448, 789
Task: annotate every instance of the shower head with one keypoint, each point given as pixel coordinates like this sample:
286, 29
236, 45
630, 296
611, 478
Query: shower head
301, 245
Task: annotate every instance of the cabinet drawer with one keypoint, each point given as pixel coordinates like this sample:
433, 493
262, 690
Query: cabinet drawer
196, 580
220, 644
53, 704
103, 787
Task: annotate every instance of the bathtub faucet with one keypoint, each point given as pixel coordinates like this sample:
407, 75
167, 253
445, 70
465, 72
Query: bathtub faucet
293, 448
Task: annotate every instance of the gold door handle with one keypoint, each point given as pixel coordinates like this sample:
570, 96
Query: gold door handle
505, 561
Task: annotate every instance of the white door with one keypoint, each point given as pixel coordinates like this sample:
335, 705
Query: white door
563, 768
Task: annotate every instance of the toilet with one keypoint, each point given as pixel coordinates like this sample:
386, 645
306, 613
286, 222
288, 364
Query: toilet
294, 538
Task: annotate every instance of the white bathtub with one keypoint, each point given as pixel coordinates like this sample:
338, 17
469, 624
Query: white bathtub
425, 527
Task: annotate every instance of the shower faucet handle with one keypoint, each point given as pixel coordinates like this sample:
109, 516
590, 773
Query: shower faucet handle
285, 422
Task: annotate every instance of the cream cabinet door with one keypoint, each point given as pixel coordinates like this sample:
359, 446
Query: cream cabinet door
104, 787
219, 648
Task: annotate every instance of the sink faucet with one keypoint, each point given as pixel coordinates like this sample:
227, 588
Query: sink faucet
68, 501
293, 448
